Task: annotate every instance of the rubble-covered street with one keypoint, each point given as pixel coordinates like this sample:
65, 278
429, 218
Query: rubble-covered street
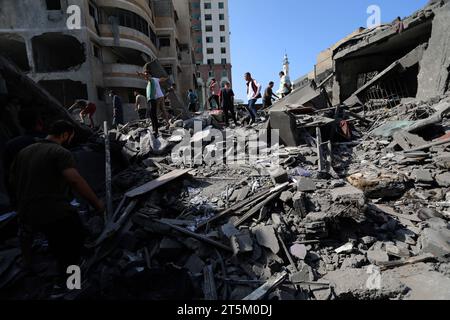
348, 200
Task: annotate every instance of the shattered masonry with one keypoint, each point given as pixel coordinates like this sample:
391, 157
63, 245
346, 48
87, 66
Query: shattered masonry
354, 204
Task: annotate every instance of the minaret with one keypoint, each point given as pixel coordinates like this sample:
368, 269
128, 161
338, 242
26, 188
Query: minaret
286, 64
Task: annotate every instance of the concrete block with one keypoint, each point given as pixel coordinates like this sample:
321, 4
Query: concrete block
443, 180
306, 185
279, 175
265, 235
348, 193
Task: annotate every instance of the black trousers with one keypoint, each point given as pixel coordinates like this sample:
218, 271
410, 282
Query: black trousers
229, 109
142, 114
192, 107
61, 225
215, 98
152, 113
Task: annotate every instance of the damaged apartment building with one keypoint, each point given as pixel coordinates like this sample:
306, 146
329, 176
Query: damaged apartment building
114, 40
409, 58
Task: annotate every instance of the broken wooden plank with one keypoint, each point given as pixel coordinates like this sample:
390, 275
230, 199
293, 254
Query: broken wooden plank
197, 236
237, 206
154, 184
319, 150
428, 146
274, 194
410, 261
262, 291
113, 226
209, 284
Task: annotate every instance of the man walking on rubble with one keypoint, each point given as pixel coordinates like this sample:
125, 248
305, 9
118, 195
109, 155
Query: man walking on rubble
269, 95
155, 98
227, 103
117, 109
215, 92
285, 85
140, 105
253, 95
42, 176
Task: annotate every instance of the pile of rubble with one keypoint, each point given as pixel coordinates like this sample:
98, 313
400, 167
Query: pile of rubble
373, 225
353, 203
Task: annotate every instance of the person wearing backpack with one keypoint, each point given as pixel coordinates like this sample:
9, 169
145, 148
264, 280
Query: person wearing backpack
253, 95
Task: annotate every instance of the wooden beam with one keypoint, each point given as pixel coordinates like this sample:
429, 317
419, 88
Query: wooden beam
154, 184
262, 291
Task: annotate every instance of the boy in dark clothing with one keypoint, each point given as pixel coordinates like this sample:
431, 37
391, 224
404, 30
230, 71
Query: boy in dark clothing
192, 98
227, 103
269, 95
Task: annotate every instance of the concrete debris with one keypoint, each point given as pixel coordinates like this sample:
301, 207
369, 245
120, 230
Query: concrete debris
435, 242
265, 235
299, 251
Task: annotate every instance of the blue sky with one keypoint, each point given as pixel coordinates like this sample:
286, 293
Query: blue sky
263, 30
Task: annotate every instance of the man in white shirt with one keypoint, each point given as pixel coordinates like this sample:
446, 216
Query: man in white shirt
155, 98
285, 85
141, 105
253, 94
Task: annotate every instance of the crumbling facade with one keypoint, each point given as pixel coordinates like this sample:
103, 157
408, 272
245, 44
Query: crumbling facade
113, 41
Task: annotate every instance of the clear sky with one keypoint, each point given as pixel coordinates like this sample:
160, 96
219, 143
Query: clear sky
263, 30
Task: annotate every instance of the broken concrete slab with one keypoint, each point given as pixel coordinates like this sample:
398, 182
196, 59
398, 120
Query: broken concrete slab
377, 256
423, 176
286, 196
443, 180
358, 284
242, 242
348, 193
299, 204
194, 264
435, 242
299, 251
266, 237
279, 175
305, 184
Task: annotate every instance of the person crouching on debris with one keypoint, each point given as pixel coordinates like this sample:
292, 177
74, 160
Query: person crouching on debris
87, 109
117, 109
140, 105
269, 95
227, 103
42, 176
253, 94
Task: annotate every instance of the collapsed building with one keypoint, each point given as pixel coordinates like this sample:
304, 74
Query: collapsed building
112, 41
352, 203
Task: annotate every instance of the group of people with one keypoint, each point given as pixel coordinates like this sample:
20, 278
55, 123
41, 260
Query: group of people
41, 179
148, 105
224, 98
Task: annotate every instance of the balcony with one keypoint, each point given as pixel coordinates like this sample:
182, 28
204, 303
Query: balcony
122, 75
129, 38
